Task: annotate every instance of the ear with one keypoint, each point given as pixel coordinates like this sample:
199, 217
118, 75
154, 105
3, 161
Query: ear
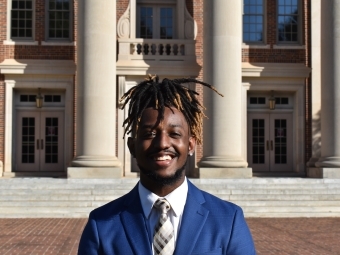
131, 145
192, 145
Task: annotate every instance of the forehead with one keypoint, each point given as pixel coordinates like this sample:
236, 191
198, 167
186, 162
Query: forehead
172, 117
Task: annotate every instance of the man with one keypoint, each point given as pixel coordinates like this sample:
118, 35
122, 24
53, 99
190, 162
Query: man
165, 213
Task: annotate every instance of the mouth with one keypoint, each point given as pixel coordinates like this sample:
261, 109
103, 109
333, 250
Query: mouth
163, 159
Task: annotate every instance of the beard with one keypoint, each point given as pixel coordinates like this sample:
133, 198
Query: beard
164, 181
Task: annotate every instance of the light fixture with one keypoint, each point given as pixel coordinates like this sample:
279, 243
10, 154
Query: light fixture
39, 99
272, 101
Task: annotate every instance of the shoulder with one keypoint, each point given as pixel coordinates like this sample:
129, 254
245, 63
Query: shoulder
115, 207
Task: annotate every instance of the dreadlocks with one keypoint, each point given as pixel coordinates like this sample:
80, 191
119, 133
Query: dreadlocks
168, 93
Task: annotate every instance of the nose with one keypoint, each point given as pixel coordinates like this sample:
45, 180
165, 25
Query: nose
162, 141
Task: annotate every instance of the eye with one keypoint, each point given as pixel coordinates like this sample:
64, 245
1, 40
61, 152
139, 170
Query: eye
175, 135
148, 134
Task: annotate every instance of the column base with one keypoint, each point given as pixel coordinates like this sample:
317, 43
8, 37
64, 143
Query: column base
96, 161
222, 162
225, 173
325, 173
329, 162
94, 172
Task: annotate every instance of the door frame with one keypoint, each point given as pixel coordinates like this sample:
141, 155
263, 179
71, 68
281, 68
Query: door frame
39, 115
296, 87
14, 82
269, 117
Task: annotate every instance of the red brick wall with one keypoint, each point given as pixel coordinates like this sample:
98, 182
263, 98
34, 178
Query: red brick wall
3, 9
33, 51
195, 8
277, 55
308, 95
122, 5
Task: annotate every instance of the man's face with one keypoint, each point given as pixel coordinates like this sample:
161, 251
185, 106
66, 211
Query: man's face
161, 149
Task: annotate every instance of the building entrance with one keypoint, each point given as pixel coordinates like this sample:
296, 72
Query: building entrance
270, 141
39, 141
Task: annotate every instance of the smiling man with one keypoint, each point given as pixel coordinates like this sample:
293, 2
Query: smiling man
165, 213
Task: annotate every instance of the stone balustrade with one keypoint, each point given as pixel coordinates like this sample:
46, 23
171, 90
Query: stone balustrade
156, 49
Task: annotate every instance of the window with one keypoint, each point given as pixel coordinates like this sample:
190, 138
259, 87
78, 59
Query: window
22, 19
52, 98
155, 22
288, 21
282, 100
253, 21
257, 100
59, 17
27, 98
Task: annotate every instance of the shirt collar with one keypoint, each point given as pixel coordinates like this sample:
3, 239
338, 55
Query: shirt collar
176, 198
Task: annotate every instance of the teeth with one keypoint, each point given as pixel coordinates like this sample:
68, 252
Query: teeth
166, 157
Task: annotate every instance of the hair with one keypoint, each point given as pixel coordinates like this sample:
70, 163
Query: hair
168, 93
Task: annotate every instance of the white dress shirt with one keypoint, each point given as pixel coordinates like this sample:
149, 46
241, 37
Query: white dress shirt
176, 198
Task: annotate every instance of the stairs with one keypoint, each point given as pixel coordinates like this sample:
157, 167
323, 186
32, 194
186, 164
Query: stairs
259, 197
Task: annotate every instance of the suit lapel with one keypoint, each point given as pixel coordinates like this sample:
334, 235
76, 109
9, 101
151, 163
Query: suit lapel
193, 220
135, 225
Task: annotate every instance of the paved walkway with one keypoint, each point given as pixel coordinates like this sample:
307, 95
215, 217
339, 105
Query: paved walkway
300, 236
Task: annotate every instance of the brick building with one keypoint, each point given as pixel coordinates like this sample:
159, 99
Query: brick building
64, 65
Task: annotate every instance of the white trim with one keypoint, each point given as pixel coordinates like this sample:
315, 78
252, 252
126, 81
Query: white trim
9, 86
296, 86
284, 70
32, 75
255, 46
123, 152
289, 47
54, 43
11, 42
32, 66
34, 82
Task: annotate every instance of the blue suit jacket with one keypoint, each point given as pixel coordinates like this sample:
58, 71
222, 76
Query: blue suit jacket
209, 226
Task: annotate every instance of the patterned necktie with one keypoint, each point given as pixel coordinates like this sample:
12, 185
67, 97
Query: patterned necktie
163, 239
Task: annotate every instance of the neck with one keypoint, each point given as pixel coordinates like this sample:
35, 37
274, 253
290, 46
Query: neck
160, 189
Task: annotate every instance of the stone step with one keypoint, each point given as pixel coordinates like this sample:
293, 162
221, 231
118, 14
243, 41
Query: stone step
259, 197
328, 197
291, 214
114, 192
30, 192
227, 197
270, 186
37, 198
96, 203
295, 209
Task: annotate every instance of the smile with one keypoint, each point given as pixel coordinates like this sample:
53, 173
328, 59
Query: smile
163, 158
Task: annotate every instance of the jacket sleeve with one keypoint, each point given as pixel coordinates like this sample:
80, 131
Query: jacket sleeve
241, 241
89, 241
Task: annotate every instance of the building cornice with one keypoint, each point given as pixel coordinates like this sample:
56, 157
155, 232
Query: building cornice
33, 66
284, 70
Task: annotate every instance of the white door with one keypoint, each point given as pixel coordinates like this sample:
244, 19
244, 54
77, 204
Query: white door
39, 141
270, 141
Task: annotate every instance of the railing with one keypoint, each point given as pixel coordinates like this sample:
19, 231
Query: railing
156, 49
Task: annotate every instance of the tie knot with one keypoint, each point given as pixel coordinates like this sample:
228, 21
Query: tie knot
162, 204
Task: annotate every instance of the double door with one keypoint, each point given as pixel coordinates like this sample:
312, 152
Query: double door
270, 141
39, 141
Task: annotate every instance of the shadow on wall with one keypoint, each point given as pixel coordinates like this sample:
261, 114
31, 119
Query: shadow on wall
316, 135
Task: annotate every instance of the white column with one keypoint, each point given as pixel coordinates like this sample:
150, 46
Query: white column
96, 91
329, 161
223, 148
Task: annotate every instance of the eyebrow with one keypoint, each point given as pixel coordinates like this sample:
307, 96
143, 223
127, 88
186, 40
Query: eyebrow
153, 126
